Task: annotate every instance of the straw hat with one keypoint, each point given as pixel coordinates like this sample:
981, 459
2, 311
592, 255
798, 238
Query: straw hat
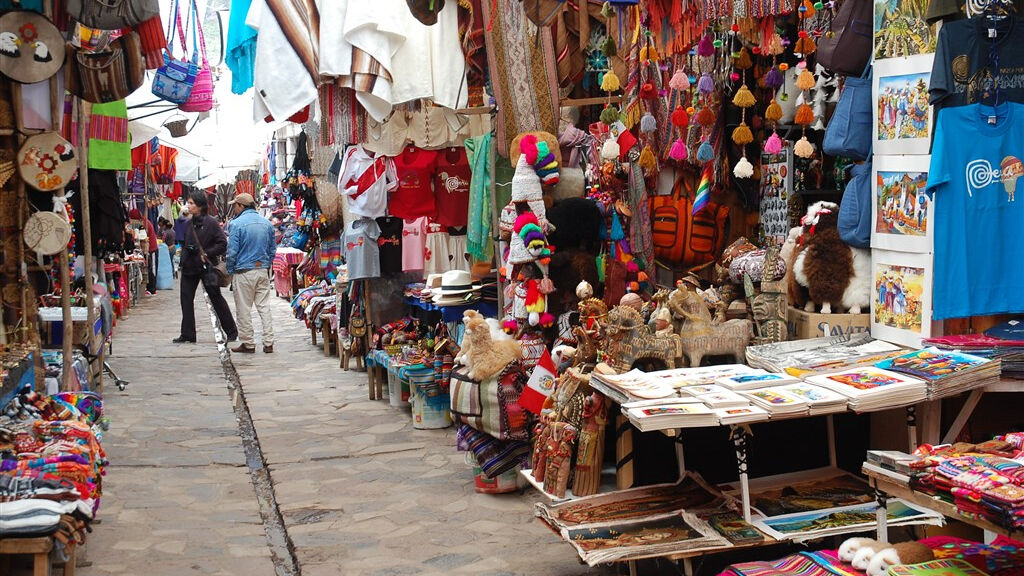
515, 150
31, 47
455, 283
47, 162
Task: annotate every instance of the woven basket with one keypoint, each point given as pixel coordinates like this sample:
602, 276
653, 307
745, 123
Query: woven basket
326, 190
177, 128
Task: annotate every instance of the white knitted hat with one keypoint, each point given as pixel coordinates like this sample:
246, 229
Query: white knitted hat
525, 182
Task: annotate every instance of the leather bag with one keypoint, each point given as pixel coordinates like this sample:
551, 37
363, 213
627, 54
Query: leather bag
112, 14
848, 49
108, 75
679, 236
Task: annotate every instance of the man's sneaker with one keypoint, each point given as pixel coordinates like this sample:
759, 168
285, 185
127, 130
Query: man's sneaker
244, 349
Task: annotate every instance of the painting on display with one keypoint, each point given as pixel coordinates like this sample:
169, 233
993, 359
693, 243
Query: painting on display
900, 29
841, 520
901, 300
616, 541
902, 116
901, 211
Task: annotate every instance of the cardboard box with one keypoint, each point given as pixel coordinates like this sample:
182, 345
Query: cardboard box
810, 325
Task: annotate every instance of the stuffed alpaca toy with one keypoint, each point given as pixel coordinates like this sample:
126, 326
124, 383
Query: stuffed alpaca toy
897, 554
833, 273
463, 357
487, 356
848, 549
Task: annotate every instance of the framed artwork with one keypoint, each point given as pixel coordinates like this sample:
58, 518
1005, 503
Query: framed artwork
842, 520
652, 536
902, 118
901, 212
900, 29
901, 300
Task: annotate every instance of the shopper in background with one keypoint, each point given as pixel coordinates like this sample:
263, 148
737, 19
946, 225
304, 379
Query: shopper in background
170, 239
251, 247
151, 248
202, 230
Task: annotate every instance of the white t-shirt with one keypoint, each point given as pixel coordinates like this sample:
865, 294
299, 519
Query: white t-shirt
366, 181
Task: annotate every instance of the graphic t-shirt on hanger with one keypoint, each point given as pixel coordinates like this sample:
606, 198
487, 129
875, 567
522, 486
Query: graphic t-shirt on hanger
366, 180
979, 218
414, 233
360, 248
962, 74
390, 243
451, 186
414, 196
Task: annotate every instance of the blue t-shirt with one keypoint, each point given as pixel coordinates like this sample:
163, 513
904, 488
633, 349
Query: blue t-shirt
979, 221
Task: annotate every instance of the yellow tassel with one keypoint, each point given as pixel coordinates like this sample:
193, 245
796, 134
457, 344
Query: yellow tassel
647, 161
631, 115
743, 60
775, 45
805, 46
653, 53
805, 81
804, 115
774, 112
610, 82
744, 98
742, 135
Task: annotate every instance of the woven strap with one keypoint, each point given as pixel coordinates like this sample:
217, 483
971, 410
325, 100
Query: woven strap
175, 24
198, 33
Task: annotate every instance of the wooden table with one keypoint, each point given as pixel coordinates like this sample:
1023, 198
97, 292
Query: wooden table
39, 549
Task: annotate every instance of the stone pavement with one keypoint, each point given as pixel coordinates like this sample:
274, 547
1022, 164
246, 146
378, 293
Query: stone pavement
360, 491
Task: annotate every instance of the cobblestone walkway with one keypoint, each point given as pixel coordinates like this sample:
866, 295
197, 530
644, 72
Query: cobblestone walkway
359, 490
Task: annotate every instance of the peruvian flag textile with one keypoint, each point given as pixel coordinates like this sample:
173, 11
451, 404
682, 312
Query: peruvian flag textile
540, 386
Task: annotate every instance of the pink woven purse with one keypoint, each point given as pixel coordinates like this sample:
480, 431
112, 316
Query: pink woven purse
200, 99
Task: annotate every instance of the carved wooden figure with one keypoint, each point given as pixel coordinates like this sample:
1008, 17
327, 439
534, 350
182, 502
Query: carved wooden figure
628, 339
560, 447
702, 337
590, 449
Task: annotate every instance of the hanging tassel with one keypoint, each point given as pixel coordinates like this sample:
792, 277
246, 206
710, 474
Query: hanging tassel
680, 119
610, 115
647, 162
610, 149
610, 82
648, 91
648, 53
805, 44
805, 81
678, 150
742, 135
680, 81
743, 60
547, 320
648, 124
609, 48
706, 46
607, 11
705, 117
706, 84
705, 153
616, 231
803, 148
743, 169
773, 79
804, 115
744, 98
773, 145
774, 112
807, 9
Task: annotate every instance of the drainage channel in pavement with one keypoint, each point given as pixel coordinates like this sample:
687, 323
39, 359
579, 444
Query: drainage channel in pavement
282, 551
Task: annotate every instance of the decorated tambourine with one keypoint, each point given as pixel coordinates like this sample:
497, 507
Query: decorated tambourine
47, 232
31, 47
47, 162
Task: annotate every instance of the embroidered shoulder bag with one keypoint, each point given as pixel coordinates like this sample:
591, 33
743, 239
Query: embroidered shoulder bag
173, 81
200, 99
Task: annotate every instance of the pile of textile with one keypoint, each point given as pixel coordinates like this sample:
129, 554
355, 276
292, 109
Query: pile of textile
310, 303
51, 466
984, 481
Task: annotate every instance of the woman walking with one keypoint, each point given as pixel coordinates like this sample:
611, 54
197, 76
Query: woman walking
204, 245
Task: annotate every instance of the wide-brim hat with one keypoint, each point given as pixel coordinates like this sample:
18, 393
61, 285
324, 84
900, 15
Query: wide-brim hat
455, 282
456, 299
31, 47
514, 150
47, 162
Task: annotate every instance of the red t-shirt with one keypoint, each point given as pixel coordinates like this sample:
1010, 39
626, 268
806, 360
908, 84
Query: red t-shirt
451, 186
414, 196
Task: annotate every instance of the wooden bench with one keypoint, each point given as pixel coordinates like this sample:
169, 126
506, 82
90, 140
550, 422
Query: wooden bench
329, 337
39, 549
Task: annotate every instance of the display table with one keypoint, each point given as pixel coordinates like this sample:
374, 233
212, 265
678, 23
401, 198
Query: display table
888, 483
454, 313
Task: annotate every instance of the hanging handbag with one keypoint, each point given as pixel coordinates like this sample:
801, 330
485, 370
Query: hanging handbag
847, 50
200, 98
173, 81
214, 275
855, 208
111, 14
679, 236
106, 75
849, 130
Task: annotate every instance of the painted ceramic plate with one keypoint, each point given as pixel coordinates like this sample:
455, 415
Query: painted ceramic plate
31, 47
47, 162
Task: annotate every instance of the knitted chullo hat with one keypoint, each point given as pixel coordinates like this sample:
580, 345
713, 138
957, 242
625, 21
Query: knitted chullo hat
525, 181
517, 252
528, 228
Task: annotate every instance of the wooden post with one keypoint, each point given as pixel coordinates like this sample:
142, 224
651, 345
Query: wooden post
84, 117
623, 453
495, 234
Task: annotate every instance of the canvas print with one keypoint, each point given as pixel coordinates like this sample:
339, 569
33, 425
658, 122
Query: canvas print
679, 532
816, 524
900, 29
901, 298
901, 210
902, 116
932, 364
804, 495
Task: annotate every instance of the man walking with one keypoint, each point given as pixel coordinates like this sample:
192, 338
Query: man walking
250, 257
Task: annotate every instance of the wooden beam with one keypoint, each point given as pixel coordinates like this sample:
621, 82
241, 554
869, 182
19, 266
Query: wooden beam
597, 101
84, 116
